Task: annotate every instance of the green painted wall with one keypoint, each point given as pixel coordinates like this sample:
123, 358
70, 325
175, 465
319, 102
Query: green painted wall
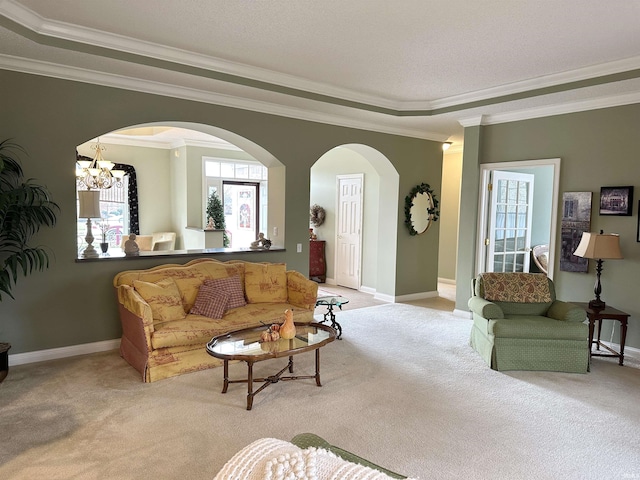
597, 148
73, 303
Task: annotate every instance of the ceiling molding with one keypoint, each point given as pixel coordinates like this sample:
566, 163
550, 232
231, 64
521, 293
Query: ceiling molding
149, 142
106, 79
543, 82
88, 36
570, 107
297, 86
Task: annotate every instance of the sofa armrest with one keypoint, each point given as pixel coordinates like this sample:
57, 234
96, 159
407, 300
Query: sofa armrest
301, 292
306, 440
567, 312
134, 303
485, 308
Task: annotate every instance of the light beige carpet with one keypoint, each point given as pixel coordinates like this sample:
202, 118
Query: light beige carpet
403, 389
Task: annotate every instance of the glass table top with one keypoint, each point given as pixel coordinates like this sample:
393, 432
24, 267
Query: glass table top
246, 343
332, 300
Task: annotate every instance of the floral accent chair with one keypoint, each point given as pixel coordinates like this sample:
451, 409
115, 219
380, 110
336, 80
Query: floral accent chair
518, 324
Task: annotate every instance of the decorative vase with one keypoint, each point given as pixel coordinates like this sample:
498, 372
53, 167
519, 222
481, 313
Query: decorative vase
288, 328
104, 246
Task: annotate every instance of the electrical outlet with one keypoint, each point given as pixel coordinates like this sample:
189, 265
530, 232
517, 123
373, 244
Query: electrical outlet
299, 248
275, 231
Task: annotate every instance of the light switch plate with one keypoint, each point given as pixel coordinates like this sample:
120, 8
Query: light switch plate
299, 248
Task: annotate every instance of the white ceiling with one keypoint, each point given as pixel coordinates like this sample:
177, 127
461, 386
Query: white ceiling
396, 63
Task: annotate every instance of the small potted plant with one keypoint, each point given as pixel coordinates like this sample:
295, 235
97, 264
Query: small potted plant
104, 228
25, 207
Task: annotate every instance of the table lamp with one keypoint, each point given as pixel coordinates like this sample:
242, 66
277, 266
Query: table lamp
89, 208
599, 247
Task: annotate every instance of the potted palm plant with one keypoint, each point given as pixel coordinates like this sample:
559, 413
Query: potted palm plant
25, 207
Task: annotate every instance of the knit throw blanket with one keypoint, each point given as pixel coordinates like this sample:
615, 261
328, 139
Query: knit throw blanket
273, 459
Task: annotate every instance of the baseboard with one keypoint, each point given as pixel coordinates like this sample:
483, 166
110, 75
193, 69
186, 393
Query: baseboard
369, 290
383, 297
447, 281
63, 352
462, 313
415, 296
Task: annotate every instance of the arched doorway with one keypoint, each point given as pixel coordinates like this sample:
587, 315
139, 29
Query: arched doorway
169, 158
379, 213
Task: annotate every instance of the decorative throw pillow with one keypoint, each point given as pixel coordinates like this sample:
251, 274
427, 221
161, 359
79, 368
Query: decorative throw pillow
163, 297
232, 286
266, 282
210, 302
516, 287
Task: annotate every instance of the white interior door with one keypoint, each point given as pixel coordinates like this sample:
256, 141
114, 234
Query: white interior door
349, 230
509, 239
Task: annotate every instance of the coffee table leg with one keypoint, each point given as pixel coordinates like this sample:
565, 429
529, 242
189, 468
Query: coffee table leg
290, 364
226, 376
249, 385
318, 367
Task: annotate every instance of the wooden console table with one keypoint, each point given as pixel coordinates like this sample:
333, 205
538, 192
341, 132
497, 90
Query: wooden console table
606, 313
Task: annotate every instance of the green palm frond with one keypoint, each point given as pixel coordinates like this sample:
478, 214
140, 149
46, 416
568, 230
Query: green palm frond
25, 207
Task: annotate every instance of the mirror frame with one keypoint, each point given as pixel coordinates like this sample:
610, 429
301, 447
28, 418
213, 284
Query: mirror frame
432, 213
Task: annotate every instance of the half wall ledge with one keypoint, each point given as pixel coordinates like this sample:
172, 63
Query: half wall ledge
120, 256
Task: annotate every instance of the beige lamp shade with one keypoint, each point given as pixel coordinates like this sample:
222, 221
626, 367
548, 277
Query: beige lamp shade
89, 203
599, 246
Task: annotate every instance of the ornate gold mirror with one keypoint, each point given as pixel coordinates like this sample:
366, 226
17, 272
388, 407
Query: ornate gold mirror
421, 209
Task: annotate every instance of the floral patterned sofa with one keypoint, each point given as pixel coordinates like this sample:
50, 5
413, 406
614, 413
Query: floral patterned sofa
170, 312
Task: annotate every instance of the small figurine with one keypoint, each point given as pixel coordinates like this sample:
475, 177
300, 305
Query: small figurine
260, 242
210, 225
131, 248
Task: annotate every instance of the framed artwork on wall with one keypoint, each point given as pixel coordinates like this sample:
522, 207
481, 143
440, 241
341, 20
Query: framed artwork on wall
576, 219
616, 201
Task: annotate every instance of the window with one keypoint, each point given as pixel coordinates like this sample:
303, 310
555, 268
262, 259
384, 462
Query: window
244, 196
114, 221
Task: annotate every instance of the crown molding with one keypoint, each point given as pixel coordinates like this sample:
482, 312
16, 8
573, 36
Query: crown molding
39, 67
569, 107
474, 121
88, 36
546, 81
137, 141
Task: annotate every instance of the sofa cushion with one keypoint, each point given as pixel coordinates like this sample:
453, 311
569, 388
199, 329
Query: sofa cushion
265, 282
210, 302
232, 287
516, 287
535, 327
188, 277
198, 329
191, 330
163, 297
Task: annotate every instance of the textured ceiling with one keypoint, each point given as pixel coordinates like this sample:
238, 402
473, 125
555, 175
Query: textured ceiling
395, 59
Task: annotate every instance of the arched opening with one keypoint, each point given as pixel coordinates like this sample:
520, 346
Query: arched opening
172, 163
376, 265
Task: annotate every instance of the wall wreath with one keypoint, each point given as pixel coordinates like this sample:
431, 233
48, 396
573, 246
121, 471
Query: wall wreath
423, 217
316, 215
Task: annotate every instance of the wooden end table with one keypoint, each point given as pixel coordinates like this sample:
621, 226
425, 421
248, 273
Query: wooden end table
245, 345
597, 315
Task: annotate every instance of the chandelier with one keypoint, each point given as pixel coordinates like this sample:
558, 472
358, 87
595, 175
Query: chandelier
98, 173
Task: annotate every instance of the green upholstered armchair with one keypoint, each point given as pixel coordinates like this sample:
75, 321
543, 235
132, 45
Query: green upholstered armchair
519, 325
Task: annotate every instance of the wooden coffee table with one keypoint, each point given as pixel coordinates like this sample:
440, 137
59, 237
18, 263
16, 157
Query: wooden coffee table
245, 345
